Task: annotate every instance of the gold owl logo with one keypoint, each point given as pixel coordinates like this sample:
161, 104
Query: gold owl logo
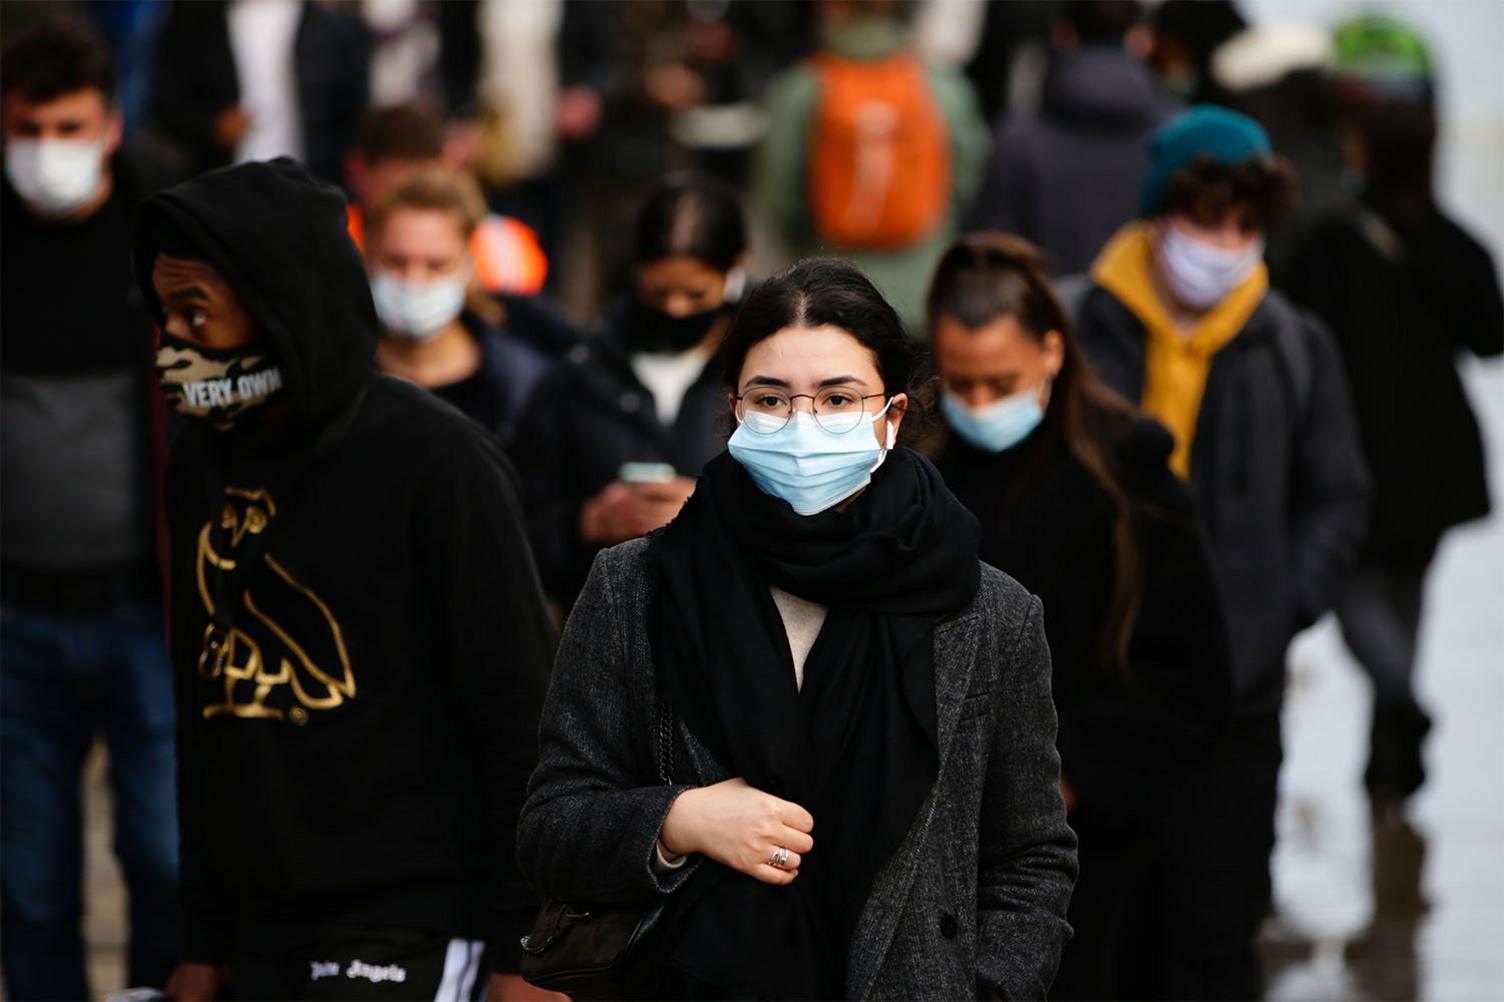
286, 654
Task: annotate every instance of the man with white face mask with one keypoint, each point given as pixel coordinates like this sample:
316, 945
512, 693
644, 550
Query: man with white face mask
435, 333
1180, 319
81, 646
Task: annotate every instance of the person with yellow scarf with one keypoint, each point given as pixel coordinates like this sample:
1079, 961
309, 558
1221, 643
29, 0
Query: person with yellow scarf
1180, 319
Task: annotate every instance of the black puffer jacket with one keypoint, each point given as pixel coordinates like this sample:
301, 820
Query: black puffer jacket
1276, 468
587, 418
1068, 177
1402, 302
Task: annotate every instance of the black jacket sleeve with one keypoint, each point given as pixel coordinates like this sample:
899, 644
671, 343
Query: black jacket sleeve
544, 454
499, 642
1329, 487
1458, 277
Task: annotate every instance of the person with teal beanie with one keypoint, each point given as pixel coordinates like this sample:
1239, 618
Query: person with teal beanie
1207, 130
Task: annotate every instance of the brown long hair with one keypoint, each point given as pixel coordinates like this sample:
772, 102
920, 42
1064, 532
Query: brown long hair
986, 276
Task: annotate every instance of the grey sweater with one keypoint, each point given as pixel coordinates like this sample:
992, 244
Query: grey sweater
973, 901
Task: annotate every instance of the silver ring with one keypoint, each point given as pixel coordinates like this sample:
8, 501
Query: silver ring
780, 857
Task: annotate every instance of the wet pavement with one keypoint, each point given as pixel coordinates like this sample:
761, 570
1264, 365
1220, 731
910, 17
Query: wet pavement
1402, 906
1396, 907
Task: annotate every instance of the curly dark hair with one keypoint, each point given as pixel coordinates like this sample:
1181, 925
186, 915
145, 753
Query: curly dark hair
1262, 190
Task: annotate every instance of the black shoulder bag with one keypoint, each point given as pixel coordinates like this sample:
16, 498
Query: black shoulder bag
597, 951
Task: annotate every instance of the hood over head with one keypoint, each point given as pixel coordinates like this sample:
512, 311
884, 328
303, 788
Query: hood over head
1103, 88
279, 238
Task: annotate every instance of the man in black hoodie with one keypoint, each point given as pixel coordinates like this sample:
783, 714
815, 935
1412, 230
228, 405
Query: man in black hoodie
358, 634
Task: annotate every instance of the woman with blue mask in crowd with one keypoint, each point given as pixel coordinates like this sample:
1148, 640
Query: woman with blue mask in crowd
615, 438
438, 330
1076, 500
804, 715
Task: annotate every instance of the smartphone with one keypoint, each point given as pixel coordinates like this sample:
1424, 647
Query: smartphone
646, 473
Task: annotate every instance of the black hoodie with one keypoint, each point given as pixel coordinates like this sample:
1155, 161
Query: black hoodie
355, 750
1069, 177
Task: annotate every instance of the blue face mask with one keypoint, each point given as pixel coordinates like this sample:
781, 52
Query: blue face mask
810, 468
998, 426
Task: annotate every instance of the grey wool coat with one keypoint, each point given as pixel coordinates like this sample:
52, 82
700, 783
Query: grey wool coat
973, 901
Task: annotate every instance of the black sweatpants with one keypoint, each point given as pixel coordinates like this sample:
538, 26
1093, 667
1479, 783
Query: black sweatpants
363, 964
1380, 611
1194, 918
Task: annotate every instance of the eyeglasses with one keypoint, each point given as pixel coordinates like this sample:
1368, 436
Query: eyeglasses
836, 409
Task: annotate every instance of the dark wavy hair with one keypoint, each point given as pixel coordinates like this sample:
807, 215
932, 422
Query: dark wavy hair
988, 276
820, 292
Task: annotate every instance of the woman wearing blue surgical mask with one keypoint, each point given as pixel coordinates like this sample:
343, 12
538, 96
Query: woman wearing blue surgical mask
804, 714
438, 332
1077, 501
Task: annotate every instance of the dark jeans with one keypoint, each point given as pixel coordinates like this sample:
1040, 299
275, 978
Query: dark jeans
1380, 612
64, 680
1194, 919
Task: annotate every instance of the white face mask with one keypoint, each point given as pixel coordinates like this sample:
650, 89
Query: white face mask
55, 176
417, 310
1201, 274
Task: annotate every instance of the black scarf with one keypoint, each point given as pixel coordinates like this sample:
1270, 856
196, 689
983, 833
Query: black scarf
856, 747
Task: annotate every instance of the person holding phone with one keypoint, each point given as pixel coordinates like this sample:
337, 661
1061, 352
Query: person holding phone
614, 437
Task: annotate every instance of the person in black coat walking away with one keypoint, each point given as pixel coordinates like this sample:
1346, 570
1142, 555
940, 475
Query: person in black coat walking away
1180, 319
1068, 177
611, 445
856, 793
1077, 501
1404, 289
439, 329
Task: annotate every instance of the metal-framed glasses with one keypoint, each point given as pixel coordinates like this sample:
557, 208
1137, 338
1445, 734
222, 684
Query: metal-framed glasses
836, 409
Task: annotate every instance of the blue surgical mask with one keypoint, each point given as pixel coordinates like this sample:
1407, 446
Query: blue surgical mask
810, 468
996, 427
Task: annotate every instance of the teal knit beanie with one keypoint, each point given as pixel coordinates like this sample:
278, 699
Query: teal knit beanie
1205, 130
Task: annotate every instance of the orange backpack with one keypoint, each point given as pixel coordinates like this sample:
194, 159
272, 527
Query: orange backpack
879, 161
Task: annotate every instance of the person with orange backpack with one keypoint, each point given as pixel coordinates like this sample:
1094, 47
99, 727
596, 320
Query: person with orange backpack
870, 154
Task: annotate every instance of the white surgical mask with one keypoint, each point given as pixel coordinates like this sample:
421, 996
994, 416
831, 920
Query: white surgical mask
55, 176
417, 310
1202, 274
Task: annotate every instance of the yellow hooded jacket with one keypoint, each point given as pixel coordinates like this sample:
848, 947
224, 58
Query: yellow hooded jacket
1176, 360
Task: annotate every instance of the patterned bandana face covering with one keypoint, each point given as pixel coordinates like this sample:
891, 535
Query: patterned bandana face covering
217, 385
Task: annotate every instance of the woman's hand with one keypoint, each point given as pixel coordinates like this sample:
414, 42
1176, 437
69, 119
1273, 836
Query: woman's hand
193, 982
739, 827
